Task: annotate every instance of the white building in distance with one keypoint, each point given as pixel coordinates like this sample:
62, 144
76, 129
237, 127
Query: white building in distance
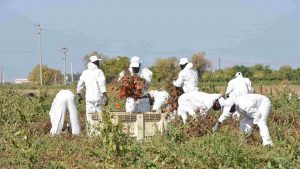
21, 81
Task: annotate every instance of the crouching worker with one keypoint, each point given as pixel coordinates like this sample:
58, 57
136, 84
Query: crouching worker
63, 102
158, 99
254, 109
195, 102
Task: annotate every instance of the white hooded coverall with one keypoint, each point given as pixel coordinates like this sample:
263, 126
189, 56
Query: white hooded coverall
187, 79
192, 102
255, 109
63, 102
141, 105
94, 81
237, 87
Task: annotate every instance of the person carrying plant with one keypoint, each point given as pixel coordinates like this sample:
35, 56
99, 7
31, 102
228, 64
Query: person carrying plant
255, 110
187, 77
94, 81
137, 80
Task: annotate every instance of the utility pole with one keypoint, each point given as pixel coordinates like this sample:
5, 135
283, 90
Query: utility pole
65, 50
72, 77
1, 75
41, 54
219, 62
54, 72
3, 81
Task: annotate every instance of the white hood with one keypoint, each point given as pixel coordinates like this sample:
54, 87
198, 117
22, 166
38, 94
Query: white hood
187, 79
189, 66
91, 65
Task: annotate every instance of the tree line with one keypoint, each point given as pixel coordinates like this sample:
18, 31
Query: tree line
165, 70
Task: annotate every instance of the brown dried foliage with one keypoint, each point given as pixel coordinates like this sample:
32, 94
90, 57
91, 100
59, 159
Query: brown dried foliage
129, 86
175, 93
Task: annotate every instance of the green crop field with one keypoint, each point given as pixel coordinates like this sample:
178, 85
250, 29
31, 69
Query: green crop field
25, 141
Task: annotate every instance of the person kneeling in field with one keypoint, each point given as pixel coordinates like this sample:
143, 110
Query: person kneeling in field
63, 102
195, 102
254, 108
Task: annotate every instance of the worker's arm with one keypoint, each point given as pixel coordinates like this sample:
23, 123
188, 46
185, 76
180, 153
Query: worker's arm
121, 75
249, 85
179, 81
226, 114
229, 88
147, 75
80, 84
101, 81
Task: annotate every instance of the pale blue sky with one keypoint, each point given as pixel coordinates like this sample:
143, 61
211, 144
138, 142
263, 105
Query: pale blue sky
240, 32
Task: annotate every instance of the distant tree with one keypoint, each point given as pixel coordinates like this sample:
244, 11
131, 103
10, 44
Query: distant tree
76, 77
86, 58
228, 73
246, 71
113, 66
200, 63
207, 75
219, 75
261, 71
286, 72
165, 70
50, 76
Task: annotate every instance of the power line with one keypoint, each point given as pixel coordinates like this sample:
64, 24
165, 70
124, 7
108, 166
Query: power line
17, 51
2, 75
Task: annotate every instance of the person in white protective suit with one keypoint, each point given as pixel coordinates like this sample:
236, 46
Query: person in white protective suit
255, 110
237, 87
195, 102
160, 99
142, 104
63, 102
94, 81
187, 77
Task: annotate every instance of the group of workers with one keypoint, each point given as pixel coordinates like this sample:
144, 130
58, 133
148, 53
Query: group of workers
240, 99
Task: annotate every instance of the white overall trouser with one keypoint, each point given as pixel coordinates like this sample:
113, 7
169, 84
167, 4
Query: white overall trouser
138, 106
93, 110
63, 102
263, 110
